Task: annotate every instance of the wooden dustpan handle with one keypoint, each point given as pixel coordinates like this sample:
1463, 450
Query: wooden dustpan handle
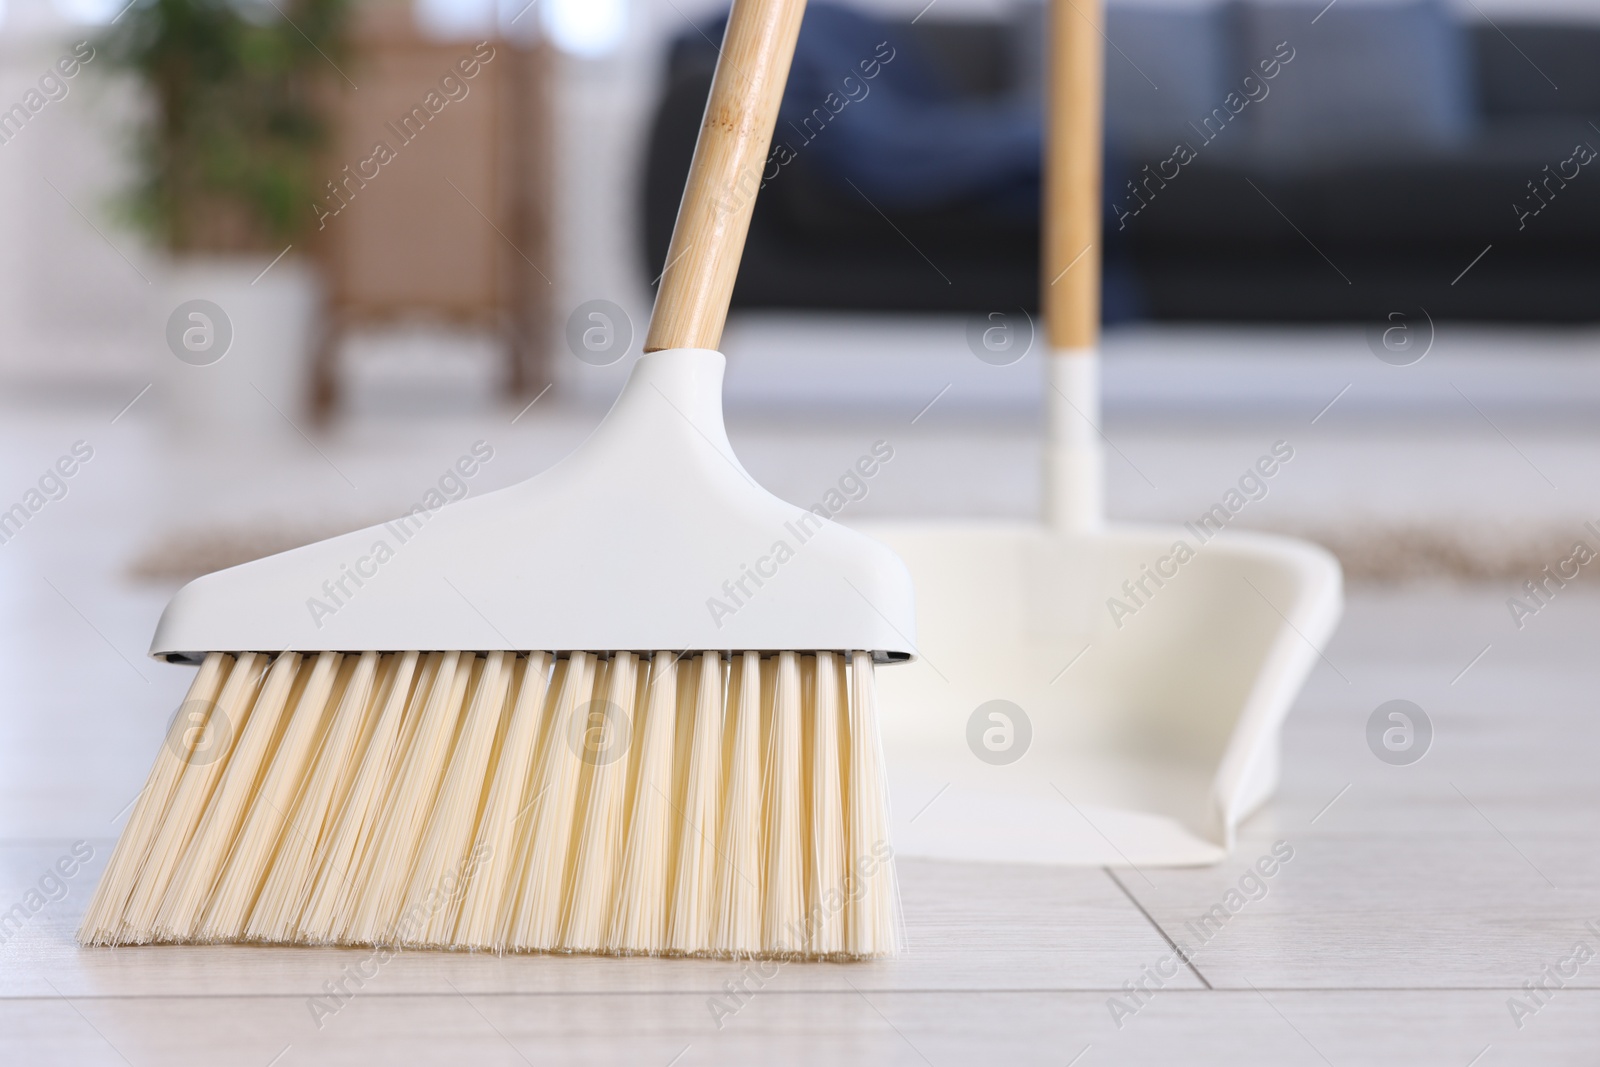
729, 158
1070, 257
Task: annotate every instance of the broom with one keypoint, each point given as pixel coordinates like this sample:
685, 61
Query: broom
665, 741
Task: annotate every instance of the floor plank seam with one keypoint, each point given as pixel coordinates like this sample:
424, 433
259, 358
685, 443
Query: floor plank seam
1184, 956
1058, 991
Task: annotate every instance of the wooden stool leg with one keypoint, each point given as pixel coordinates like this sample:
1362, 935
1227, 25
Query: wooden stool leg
531, 193
324, 382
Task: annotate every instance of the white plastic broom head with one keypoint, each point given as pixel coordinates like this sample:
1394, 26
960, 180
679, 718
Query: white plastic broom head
649, 536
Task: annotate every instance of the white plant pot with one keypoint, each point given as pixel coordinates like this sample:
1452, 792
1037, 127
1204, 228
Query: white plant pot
236, 369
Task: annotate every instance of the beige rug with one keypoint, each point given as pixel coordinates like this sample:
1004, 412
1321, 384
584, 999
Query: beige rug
1384, 553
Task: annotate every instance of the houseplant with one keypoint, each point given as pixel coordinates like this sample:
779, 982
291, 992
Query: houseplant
228, 161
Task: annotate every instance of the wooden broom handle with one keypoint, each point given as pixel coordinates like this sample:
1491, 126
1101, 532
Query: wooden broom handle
1074, 114
729, 158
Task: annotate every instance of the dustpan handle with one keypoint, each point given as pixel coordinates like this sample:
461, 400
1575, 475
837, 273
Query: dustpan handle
1070, 257
729, 158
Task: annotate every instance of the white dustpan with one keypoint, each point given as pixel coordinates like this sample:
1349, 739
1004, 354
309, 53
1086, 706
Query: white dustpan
1140, 738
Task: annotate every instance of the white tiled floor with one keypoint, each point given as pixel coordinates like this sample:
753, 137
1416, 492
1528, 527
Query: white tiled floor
1418, 899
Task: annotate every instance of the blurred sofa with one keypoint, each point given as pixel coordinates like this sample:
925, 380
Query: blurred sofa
1390, 147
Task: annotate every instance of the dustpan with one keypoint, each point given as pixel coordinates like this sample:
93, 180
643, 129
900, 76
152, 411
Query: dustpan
1089, 693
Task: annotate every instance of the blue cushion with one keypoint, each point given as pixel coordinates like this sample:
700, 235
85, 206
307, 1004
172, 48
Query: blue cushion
1365, 78
1165, 66
869, 107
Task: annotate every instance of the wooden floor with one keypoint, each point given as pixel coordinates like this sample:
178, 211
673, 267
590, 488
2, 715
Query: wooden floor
1417, 901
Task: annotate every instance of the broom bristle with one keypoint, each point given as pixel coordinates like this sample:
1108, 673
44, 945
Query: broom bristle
656, 803
700, 757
